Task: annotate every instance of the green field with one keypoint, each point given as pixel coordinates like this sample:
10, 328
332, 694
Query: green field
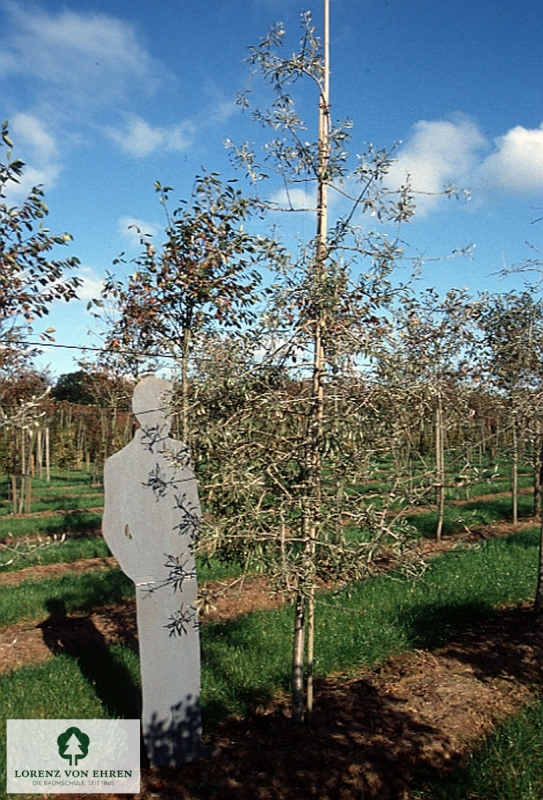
246, 660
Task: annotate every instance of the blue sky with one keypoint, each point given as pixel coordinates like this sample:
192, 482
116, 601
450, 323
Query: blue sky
105, 97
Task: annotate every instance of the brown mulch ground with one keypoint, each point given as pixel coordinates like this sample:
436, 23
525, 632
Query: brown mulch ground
376, 735
41, 571
23, 642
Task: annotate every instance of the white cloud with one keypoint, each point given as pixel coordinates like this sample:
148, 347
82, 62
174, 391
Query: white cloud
295, 198
91, 285
139, 139
75, 66
221, 110
32, 134
438, 153
45, 176
37, 147
516, 166
83, 58
454, 151
133, 229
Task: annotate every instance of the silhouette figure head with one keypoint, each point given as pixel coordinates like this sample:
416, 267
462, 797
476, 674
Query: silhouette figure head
151, 403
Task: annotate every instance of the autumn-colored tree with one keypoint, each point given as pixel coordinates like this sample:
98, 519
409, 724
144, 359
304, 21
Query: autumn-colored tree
30, 278
203, 274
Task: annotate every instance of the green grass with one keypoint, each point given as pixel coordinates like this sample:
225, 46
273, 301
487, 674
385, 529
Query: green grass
51, 551
96, 686
56, 689
70, 492
78, 521
210, 569
380, 479
246, 660
472, 513
74, 481
63, 477
499, 571
31, 600
507, 765
65, 491
60, 502
59, 496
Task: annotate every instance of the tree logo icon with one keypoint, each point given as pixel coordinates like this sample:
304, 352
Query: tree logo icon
73, 744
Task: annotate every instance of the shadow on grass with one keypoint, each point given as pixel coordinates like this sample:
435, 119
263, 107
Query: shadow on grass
495, 643
527, 538
80, 639
93, 589
473, 513
233, 682
72, 503
80, 521
506, 646
48, 525
430, 625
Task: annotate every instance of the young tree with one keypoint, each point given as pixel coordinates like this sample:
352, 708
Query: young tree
202, 275
430, 357
533, 265
30, 279
21, 415
511, 350
326, 311
110, 393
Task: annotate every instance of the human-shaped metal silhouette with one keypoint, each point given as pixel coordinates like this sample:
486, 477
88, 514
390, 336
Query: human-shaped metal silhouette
150, 523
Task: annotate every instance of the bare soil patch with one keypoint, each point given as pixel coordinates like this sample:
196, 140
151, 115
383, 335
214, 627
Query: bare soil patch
24, 643
43, 571
428, 547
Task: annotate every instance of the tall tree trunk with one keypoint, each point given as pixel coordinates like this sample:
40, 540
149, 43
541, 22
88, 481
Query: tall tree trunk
39, 452
538, 602
317, 404
27, 477
514, 472
440, 469
14, 494
47, 455
297, 696
185, 344
537, 456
